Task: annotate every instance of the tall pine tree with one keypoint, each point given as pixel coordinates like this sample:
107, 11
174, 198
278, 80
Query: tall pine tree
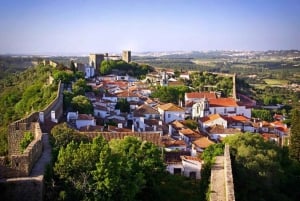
295, 135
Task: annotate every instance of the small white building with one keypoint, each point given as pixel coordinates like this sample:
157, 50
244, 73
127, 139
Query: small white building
191, 167
211, 120
170, 112
80, 120
100, 111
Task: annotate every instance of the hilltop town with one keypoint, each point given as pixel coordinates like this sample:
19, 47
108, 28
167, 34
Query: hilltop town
114, 103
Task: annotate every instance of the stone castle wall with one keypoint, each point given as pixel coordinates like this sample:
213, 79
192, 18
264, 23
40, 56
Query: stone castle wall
221, 185
18, 164
229, 186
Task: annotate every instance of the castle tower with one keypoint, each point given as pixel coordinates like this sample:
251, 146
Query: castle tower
95, 61
126, 56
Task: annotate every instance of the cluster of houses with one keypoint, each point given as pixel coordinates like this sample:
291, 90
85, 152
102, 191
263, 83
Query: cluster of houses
215, 117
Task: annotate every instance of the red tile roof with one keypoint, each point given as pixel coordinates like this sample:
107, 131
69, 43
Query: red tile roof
144, 109
222, 102
170, 107
237, 118
211, 117
203, 142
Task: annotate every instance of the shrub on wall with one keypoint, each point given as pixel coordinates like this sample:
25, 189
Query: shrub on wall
28, 137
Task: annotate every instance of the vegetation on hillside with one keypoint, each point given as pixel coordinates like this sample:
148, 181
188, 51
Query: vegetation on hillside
274, 176
132, 69
170, 94
119, 170
27, 92
295, 135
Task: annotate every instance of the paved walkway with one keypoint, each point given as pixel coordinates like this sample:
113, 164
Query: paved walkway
217, 191
40, 165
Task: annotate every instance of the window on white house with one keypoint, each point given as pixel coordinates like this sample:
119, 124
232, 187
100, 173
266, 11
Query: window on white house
169, 115
193, 175
177, 171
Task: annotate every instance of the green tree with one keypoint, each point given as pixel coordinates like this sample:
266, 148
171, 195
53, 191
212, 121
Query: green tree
295, 135
79, 87
82, 104
263, 162
265, 115
144, 167
123, 105
65, 77
62, 135
105, 67
190, 123
77, 164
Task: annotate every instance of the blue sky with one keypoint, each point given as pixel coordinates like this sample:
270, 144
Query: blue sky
83, 26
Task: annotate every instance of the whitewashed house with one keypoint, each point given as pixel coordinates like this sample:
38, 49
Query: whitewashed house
170, 112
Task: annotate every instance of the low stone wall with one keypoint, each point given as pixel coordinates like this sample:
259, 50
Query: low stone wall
20, 165
229, 186
56, 105
22, 189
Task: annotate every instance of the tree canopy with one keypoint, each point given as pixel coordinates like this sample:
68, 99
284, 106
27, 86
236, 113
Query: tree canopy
262, 170
118, 170
82, 104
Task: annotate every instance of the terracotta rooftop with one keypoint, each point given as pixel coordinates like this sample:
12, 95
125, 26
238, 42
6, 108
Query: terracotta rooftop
211, 117
190, 133
144, 109
177, 124
170, 142
208, 95
203, 142
126, 94
237, 118
219, 129
170, 107
222, 102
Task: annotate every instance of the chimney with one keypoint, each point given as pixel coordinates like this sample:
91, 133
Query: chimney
170, 129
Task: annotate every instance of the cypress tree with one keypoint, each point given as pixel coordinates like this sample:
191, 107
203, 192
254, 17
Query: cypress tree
294, 147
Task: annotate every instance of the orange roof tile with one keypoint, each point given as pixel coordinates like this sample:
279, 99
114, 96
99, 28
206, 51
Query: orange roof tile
144, 109
222, 102
211, 117
126, 94
203, 142
170, 107
237, 118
